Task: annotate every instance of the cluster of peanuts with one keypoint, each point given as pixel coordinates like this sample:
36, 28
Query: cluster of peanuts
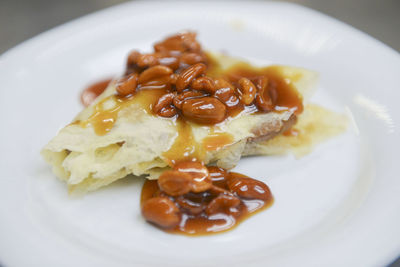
179, 66
197, 190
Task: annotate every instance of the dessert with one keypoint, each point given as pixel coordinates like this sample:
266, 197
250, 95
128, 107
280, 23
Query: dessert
180, 106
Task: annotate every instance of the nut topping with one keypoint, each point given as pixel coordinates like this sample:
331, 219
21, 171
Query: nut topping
204, 110
195, 199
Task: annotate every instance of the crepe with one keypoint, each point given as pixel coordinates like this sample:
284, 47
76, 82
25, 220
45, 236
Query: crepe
140, 143
315, 125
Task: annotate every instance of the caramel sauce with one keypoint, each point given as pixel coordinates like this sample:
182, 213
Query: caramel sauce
185, 147
287, 98
103, 119
201, 223
216, 141
291, 132
93, 91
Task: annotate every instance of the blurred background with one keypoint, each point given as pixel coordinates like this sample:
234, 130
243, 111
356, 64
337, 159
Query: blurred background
23, 19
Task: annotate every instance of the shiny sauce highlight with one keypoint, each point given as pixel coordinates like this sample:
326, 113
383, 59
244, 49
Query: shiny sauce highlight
93, 91
202, 223
287, 97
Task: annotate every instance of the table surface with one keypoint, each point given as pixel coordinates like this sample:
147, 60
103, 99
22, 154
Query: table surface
23, 19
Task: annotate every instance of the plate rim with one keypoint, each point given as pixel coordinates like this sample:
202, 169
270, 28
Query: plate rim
12, 52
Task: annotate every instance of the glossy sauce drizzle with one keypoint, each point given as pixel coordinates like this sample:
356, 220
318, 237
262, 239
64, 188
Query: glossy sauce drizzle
185, 147
93, 91
285, 95
215, 141
103, 118
231, 198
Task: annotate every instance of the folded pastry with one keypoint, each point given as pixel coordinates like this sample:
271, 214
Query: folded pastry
177, 104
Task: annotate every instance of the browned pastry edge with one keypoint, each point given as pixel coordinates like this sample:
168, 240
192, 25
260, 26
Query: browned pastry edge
271, 129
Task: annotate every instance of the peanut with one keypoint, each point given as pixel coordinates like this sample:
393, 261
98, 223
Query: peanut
263, 99
169, 61
218, 175
247, 91
175, 183
127, 85
164, 107
154, 72
161, 211
183, 42
132, 58
222, 83
201, 180
189, 205
178, 100
223, 204
172, 78
189, 42
204, 110
147, 60
191, 58
247, 187
227, 96
203, 84
186, 77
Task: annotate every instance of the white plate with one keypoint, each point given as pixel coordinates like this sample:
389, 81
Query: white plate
339, 206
